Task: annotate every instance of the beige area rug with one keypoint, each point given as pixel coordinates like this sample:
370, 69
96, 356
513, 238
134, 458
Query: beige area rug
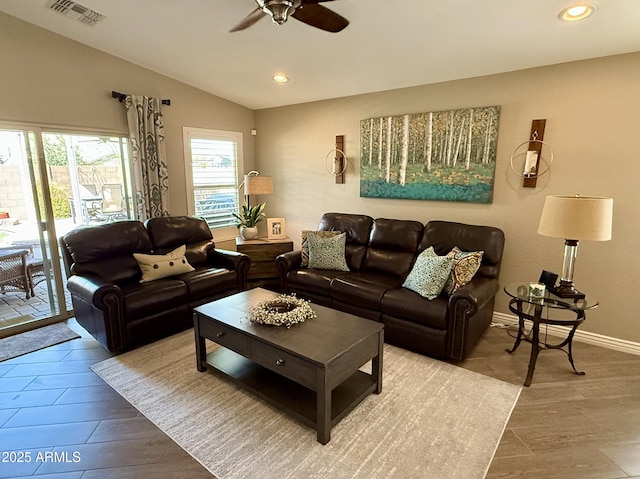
432, 419
34, 340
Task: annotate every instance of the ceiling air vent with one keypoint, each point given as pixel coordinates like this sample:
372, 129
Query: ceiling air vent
76, 11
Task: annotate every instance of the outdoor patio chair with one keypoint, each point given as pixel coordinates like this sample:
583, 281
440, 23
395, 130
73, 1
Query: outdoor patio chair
113, 201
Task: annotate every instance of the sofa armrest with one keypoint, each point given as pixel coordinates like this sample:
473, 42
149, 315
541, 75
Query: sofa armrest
99, 308
238, 262
464, 324
289, 261
286, 262
475, 293
94, 291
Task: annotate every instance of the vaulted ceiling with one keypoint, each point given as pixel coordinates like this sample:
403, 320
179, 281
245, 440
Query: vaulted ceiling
388, 43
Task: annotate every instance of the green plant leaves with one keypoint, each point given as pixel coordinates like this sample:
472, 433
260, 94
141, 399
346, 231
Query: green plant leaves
251, 215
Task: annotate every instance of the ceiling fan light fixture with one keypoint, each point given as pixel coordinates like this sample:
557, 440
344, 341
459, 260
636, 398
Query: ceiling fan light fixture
576, 12
279, 10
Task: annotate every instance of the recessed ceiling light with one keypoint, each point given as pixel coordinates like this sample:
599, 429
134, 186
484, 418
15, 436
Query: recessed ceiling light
576, 12
280, 78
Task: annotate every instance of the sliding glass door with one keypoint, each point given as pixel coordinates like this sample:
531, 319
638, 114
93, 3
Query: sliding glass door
50, 183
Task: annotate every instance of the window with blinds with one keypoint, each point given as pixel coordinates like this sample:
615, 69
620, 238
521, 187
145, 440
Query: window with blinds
213, 165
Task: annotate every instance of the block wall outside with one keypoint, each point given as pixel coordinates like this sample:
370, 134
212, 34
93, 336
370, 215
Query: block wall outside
15, 192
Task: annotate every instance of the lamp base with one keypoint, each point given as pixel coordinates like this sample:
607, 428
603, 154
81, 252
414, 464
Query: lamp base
566, 290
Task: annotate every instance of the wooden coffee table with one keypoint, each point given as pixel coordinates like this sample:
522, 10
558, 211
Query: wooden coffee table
311, 371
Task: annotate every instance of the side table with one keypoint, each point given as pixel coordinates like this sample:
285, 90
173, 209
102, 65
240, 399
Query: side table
538, 311
263, 252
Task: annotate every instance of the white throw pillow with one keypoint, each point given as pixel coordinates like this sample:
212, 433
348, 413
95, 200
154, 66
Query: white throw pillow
158, 266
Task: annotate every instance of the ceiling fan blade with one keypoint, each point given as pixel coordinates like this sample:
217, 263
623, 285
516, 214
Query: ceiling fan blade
320, 17
249, 20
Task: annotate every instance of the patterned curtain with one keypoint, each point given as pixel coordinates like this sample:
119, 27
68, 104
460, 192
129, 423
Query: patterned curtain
148, 159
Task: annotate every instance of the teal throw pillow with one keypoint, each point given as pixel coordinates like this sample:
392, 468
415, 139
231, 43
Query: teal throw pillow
327, 252
429, 274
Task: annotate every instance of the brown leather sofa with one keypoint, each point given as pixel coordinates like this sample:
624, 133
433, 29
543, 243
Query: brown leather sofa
380, 254
103, 278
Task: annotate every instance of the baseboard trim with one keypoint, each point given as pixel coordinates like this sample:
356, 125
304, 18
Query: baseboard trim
581, 336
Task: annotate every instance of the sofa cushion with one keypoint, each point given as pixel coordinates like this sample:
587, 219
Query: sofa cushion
327, 253
364, 289
357, 228
464, 267
304, 257
113, 270
106, 251
172, 231
315, 281
169, 232
158, 266
204, 281
146, 299
407, 305
429, 274
198, 253
392, 246
444, 235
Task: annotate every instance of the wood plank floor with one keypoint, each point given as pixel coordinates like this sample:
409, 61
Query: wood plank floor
51, 402
564, 426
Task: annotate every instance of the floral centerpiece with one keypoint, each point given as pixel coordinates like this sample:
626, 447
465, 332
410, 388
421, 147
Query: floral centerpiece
285, 310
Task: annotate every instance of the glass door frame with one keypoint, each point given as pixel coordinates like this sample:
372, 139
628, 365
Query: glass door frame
46, 227
38, 174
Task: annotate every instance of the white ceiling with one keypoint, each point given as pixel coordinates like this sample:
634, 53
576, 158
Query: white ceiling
388, 44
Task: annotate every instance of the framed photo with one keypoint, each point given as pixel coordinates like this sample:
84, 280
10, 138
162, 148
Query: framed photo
276, 228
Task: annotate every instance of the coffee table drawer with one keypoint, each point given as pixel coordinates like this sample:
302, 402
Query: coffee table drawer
229, 338
285, 364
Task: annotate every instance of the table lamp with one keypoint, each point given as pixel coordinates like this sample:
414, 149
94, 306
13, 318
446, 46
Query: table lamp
254, 184
575, 218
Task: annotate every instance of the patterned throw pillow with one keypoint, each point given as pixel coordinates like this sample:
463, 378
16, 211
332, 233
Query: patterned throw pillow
327, 253
305, 244
465, 266
429, 274
158, 266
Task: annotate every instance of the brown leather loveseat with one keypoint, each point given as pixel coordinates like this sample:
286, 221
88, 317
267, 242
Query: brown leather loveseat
108, 298
380, 254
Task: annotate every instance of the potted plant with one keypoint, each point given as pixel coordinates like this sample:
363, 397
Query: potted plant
249, 219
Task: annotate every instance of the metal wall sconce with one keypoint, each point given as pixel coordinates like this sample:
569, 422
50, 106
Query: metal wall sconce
338, 162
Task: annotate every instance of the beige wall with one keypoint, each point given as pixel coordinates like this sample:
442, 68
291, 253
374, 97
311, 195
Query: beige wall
47, 78
591, 109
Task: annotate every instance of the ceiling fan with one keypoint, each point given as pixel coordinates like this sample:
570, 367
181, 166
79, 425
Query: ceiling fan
306, 11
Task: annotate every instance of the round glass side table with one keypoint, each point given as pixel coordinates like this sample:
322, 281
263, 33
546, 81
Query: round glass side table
549, 309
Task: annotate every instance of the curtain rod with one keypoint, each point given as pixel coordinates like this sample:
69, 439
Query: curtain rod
122, 96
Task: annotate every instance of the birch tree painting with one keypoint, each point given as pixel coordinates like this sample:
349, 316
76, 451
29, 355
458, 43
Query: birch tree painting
443, 155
